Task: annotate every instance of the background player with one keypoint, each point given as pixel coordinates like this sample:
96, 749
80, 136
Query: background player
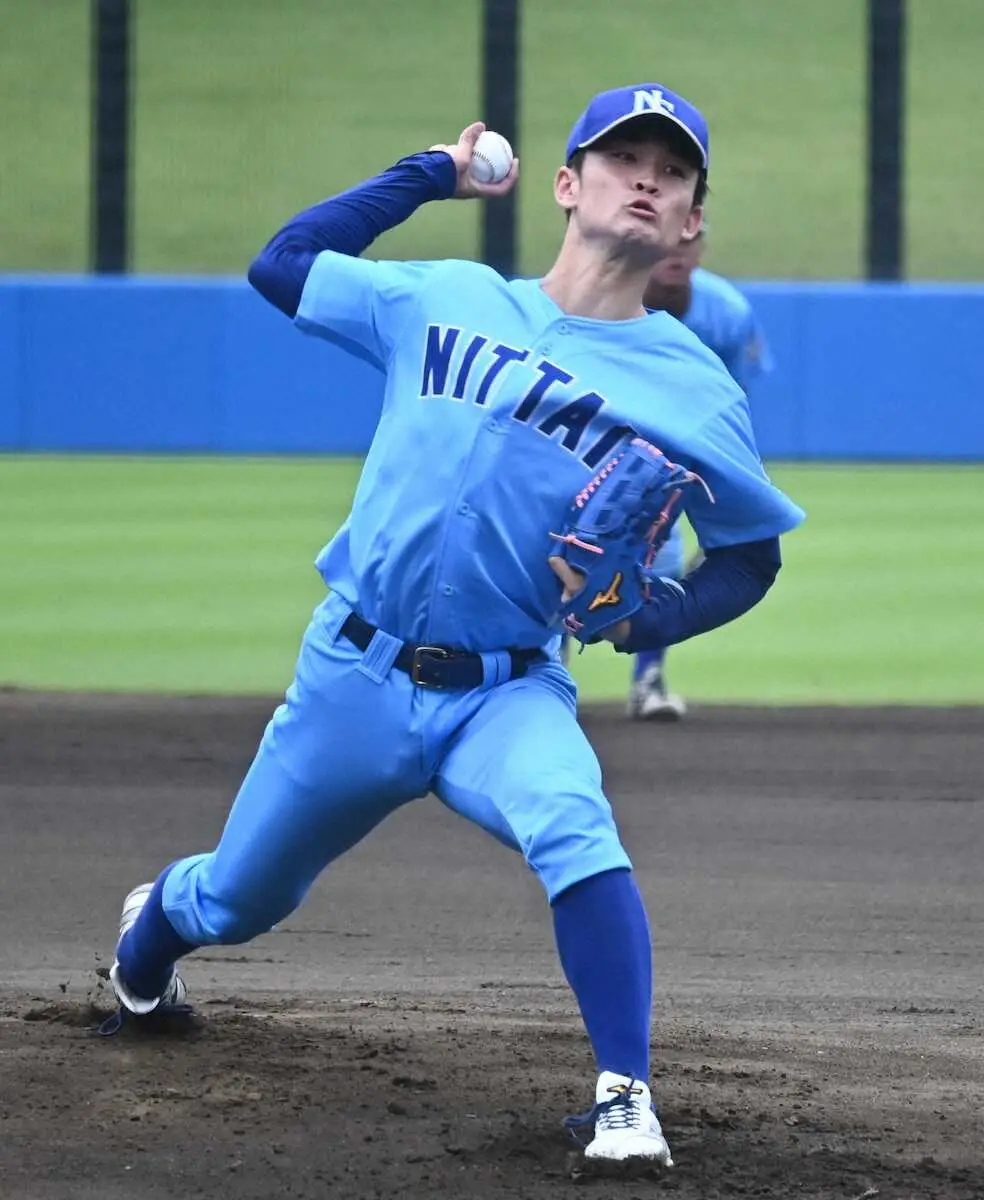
722, 317
431, 666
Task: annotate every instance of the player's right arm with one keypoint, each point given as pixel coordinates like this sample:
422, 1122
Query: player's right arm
349, 223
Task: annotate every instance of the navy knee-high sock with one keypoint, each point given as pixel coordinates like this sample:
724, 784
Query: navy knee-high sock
646, 659
150, 947
603, 939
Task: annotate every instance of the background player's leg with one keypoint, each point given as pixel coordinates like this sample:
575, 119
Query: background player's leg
645, 661
649, 697
522, 769
336, 758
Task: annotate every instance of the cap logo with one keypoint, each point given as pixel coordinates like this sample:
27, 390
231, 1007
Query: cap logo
651, 100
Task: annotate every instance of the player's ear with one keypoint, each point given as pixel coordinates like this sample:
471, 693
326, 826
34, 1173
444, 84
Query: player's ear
566, 186
692, 226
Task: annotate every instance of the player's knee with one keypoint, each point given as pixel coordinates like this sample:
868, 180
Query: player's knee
572, 842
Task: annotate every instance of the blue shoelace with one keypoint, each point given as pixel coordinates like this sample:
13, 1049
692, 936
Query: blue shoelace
624, 1119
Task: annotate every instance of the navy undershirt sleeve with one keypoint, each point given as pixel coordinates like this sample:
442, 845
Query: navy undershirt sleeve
730, 581
348, 223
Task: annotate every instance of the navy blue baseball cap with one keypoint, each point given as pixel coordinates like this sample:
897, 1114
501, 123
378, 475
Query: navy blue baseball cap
608, 110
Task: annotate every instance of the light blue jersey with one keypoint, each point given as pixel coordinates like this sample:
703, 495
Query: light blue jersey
483, 441
722, 317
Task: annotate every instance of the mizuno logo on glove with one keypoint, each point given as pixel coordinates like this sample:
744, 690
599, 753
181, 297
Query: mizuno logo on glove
612, 595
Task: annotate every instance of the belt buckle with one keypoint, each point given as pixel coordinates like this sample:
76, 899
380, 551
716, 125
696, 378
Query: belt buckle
420, 653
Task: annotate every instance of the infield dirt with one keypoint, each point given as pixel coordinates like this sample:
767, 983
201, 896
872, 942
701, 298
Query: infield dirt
815, 883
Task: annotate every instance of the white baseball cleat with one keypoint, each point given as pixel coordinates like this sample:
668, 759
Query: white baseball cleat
650, 701
626, 1129
175, 992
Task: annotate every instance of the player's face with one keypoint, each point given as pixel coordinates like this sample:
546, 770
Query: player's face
638, 194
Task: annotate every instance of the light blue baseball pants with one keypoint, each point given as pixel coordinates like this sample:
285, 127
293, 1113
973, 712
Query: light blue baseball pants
354, 740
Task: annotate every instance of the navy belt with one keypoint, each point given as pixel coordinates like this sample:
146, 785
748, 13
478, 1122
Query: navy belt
437, 666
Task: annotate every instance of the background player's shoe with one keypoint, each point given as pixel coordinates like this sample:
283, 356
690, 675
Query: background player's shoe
174, 993
649, 699
625, 1126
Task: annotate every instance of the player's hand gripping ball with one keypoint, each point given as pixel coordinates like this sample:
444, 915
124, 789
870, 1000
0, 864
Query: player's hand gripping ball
491, 159
484, 162
615, 527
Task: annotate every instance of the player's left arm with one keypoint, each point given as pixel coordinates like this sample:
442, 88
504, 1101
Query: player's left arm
622, 517
738, 520
606, 553
729, 582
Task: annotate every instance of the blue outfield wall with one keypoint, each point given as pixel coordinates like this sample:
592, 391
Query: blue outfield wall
891, 371
159, 365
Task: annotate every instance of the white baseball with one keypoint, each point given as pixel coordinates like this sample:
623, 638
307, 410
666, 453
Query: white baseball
491, 158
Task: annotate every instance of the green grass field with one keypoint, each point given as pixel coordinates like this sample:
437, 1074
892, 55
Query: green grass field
195, 575
246, 110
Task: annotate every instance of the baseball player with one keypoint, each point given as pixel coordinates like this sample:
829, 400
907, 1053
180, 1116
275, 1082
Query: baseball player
722, 317
432, 665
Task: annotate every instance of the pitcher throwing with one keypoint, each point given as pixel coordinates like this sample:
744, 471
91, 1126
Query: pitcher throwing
522, 421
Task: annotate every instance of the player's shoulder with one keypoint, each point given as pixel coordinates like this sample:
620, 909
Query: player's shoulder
425, 269
673, 340
709, 286
459, 275
462, 268
682, 362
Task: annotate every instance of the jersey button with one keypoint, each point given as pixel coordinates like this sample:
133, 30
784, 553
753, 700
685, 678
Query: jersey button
547, 347
448, 590
565, 329
464, 510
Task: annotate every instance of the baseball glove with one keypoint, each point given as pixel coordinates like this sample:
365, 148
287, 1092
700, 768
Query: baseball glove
615, 527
